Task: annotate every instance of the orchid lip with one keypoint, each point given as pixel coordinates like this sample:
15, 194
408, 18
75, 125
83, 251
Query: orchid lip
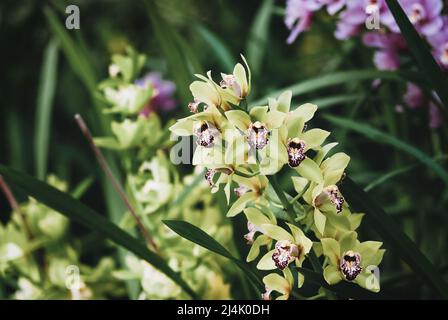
296, 152
209, 174
350, 265
284, 252
206, 134
258, 135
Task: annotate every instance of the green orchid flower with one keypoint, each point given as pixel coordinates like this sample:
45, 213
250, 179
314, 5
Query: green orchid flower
324, 196
127, 99
290, 247
352, 261
250, 191
255, 219
282, 285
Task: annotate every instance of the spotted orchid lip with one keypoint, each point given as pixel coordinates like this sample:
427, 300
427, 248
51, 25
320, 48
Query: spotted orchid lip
350, 265
332, 194
209, 174
240, 190
284, 251
206, 134
258, 135
296, 152
418, 13
193, 106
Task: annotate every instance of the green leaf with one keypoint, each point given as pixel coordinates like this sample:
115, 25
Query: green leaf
200, 237
393, 237
75, 57
338, 78
425, 61
327, 102
258, 36
77, 211
47, 85
171, 50
218, 47
381, 137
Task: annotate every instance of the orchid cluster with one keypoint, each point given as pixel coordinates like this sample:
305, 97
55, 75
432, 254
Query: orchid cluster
154, 186
37, 253
384, 36
243, 148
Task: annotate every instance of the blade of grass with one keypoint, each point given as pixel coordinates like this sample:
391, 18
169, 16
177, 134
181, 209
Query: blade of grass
176, 60
381, 137
194, 234
425, 61
392, 235
258, 36
47, 86
338, 78
218, 47
327, 102
77, 211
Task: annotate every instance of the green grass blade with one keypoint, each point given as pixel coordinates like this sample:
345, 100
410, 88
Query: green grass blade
381, 137
176, 60
327, 102
79, 64
77, 211
47, 86
194, 234
258, 36
393, 237
218, 47
336, 79
425, 61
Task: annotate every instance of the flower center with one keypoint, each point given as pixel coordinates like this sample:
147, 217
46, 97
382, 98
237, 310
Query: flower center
250, 235
209, 174
241, 190
284, 251
350, 265
258, 135
229, 82
418, 13
193, 106
296, 152
335, 197
205, 134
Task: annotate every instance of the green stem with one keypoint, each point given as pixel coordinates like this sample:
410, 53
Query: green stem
281, 195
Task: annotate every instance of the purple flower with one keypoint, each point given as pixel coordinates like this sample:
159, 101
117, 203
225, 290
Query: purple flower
414, 97
387, 58
425, 15
163, 100
298, 17
355, 15
435, 116
439, 42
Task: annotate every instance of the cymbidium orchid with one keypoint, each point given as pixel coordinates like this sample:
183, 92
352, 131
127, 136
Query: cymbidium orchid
353, 261
247, 146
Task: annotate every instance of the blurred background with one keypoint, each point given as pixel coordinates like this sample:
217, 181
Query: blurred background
49, 74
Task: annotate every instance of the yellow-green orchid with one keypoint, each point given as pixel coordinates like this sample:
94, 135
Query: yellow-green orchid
352, 261
282, 285
288, 248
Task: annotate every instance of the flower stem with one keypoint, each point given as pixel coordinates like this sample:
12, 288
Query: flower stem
281, 195
116, 185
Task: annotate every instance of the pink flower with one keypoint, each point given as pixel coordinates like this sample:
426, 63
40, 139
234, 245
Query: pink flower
163, 100
439, 42
387, 58
298, 17
425, 15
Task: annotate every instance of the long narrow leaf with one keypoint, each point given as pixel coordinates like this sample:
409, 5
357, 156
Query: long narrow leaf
218, 47
381, 137
258, 36
338, 78
47, 85
200, 237
425, 61
392, 235
77, 211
